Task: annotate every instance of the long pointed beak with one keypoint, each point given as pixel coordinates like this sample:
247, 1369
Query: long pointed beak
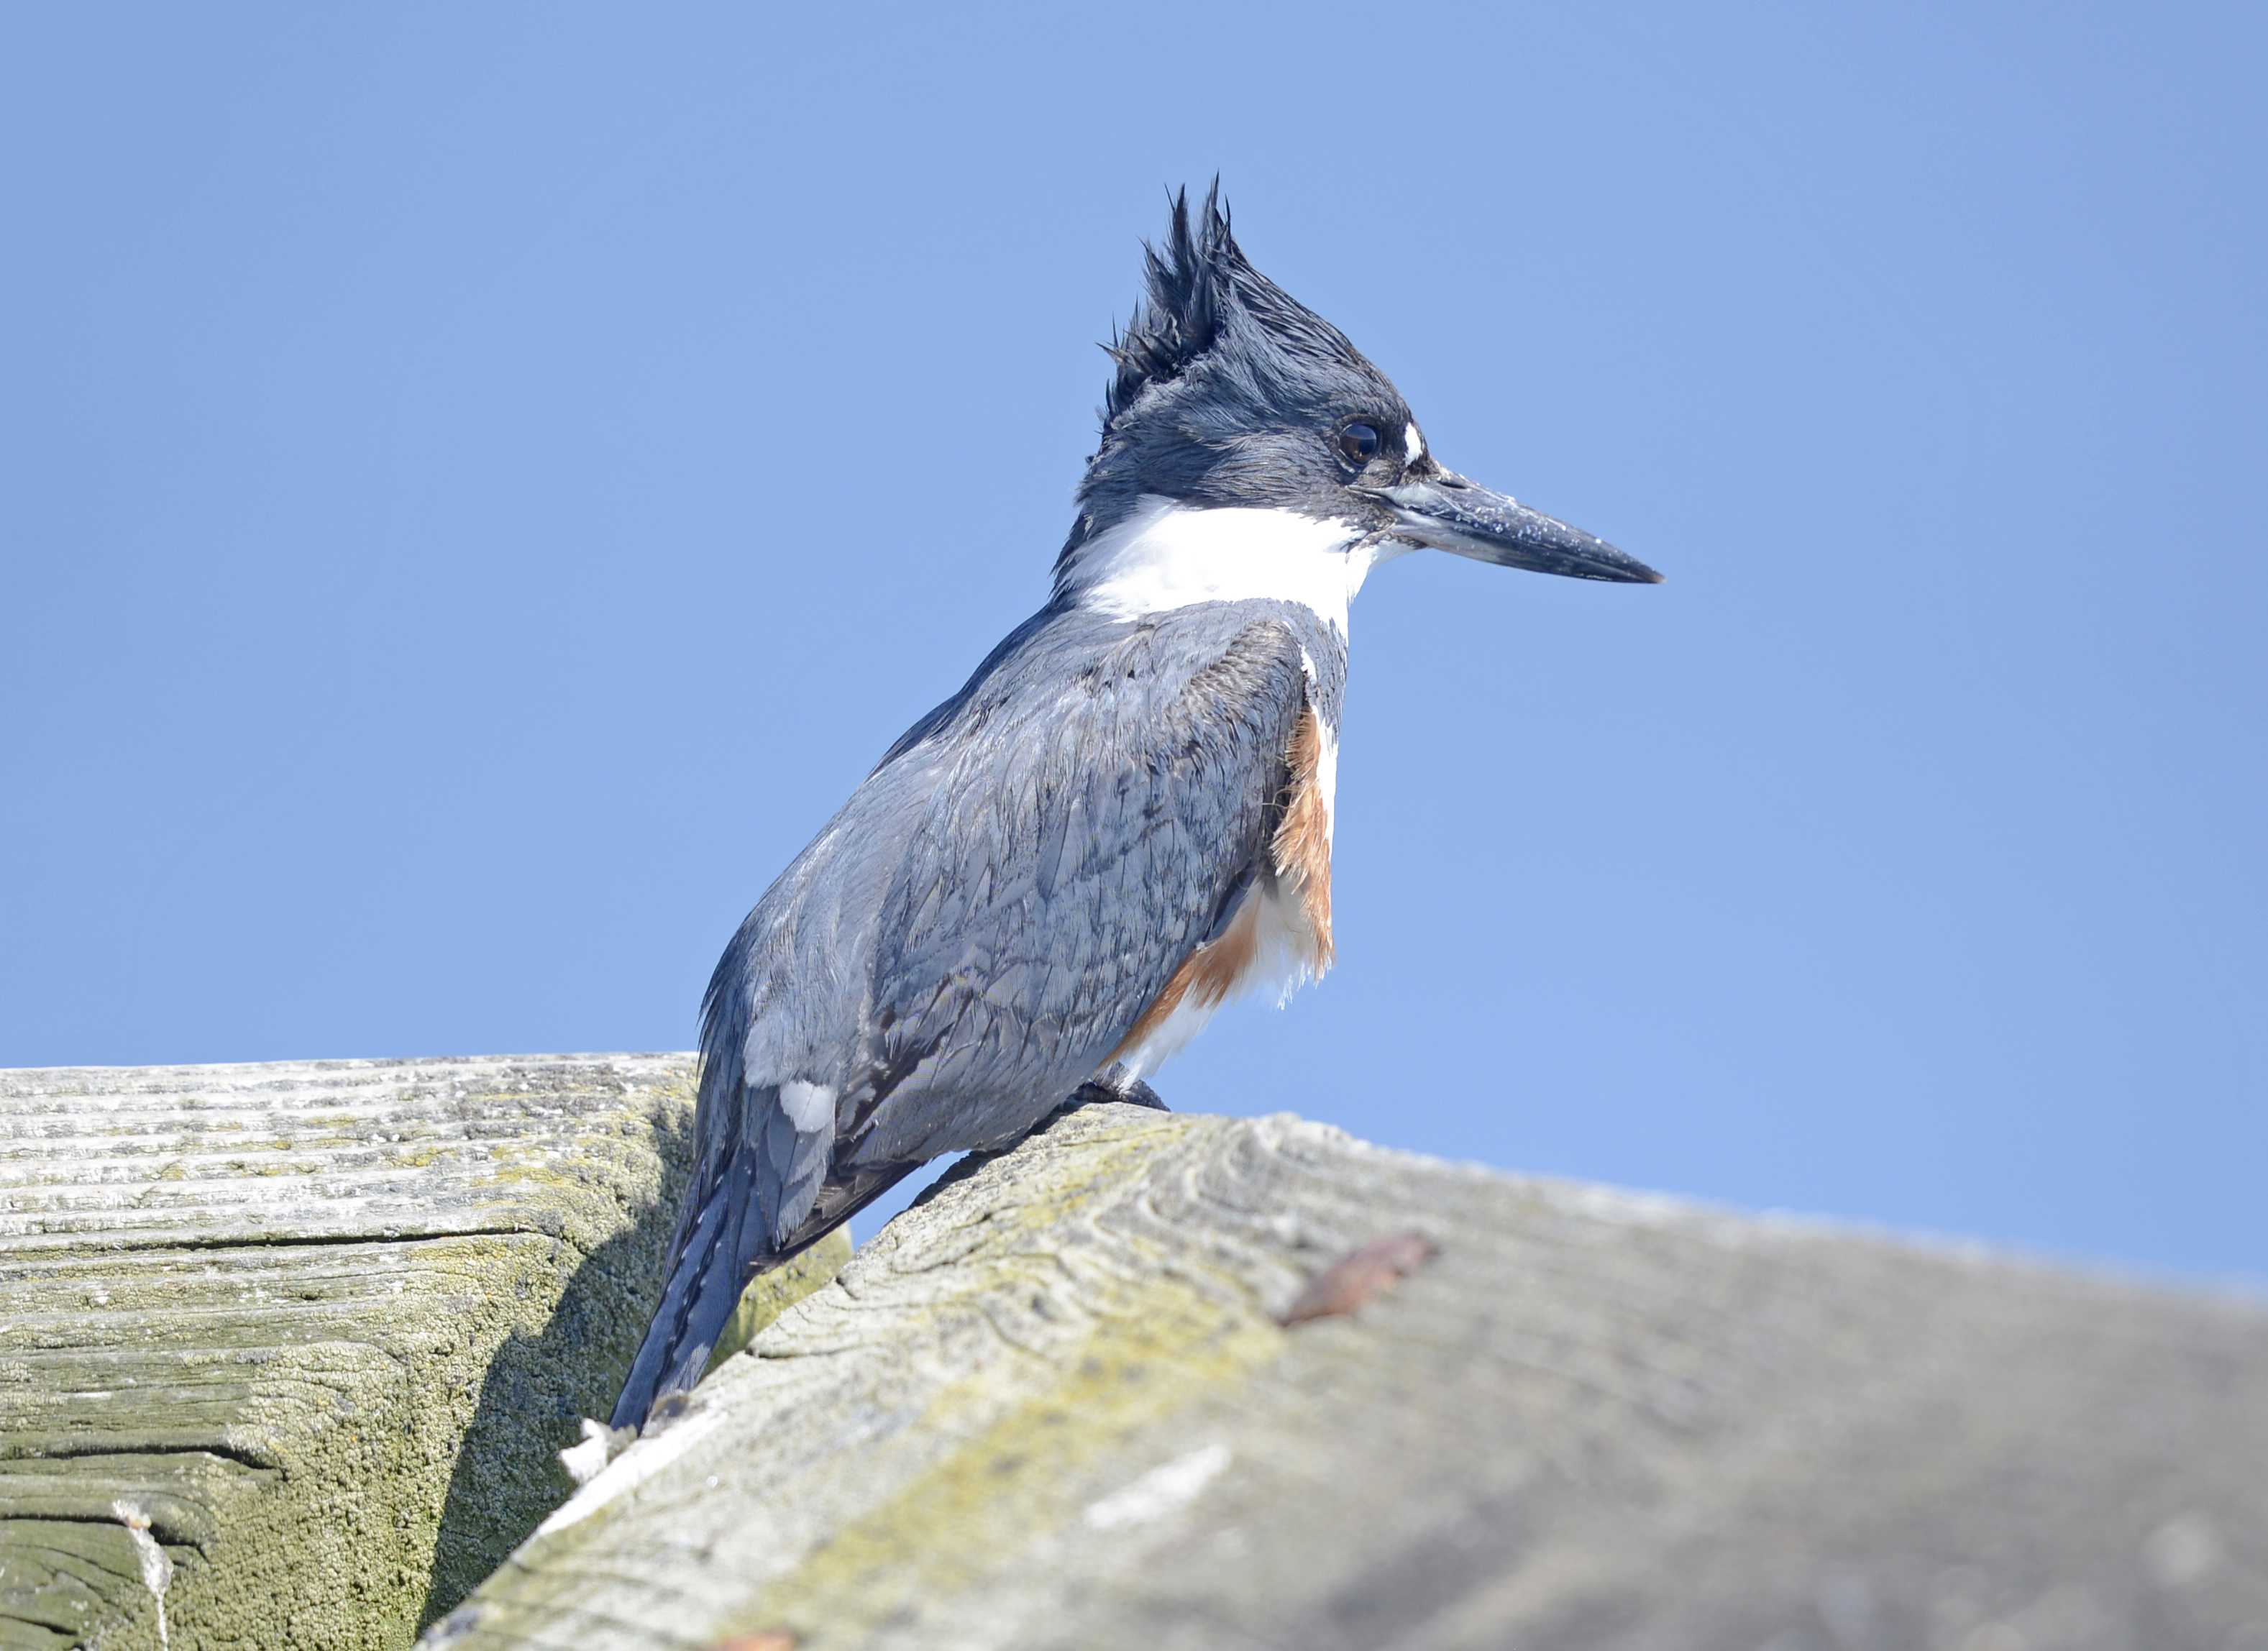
1448, 512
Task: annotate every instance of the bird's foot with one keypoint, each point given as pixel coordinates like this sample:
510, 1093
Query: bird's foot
1131, 1092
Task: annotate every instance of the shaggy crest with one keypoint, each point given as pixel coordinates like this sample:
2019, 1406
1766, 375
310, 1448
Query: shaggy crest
1203, 294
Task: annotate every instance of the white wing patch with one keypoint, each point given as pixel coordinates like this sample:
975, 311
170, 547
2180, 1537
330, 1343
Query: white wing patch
810, 1107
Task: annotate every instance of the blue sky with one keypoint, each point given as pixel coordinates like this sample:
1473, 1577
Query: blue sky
480, 485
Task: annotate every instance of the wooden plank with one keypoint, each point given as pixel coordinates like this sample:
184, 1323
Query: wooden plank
1054, 1406
322, 1325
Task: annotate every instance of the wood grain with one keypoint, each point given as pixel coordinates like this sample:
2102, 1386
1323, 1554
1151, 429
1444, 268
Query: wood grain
1054, 1407
323, 1323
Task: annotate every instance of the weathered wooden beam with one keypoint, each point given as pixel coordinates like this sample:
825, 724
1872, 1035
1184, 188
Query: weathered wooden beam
1057, 1404
320, 1327
307, 1336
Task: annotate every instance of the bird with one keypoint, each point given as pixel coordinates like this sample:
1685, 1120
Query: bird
1122, 821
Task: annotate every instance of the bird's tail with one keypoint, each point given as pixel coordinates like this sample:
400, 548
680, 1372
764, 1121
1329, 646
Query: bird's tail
720, 1247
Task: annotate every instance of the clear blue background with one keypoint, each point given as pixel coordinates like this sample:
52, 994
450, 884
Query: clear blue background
479, 485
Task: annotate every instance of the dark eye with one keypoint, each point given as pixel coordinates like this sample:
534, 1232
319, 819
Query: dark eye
1360, 443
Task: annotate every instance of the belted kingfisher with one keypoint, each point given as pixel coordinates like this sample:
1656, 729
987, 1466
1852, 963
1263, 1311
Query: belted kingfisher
1051, 881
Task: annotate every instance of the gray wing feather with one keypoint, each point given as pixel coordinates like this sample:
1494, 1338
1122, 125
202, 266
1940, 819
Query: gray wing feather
1087, 836
979, 927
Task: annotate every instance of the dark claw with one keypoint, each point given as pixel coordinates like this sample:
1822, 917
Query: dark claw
1096, 1092
1139, 1094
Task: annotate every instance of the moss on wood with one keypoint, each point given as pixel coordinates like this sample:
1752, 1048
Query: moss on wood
325, 1324
1066, 1401
1057, 1405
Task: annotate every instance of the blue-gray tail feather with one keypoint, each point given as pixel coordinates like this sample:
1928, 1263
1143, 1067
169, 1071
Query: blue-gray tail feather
709, 1260
720, 1247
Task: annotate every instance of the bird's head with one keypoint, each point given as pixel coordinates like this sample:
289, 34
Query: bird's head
1231, 395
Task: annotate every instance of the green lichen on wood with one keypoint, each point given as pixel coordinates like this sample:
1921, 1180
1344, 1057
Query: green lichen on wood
1150, 1346
1019, 1478
771, 1293
334, 1440
1054, 1407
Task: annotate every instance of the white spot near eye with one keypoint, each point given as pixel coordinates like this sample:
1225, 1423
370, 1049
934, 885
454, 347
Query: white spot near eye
1414, 444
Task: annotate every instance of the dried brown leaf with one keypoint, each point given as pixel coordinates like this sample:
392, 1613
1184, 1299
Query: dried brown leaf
1354, 1279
